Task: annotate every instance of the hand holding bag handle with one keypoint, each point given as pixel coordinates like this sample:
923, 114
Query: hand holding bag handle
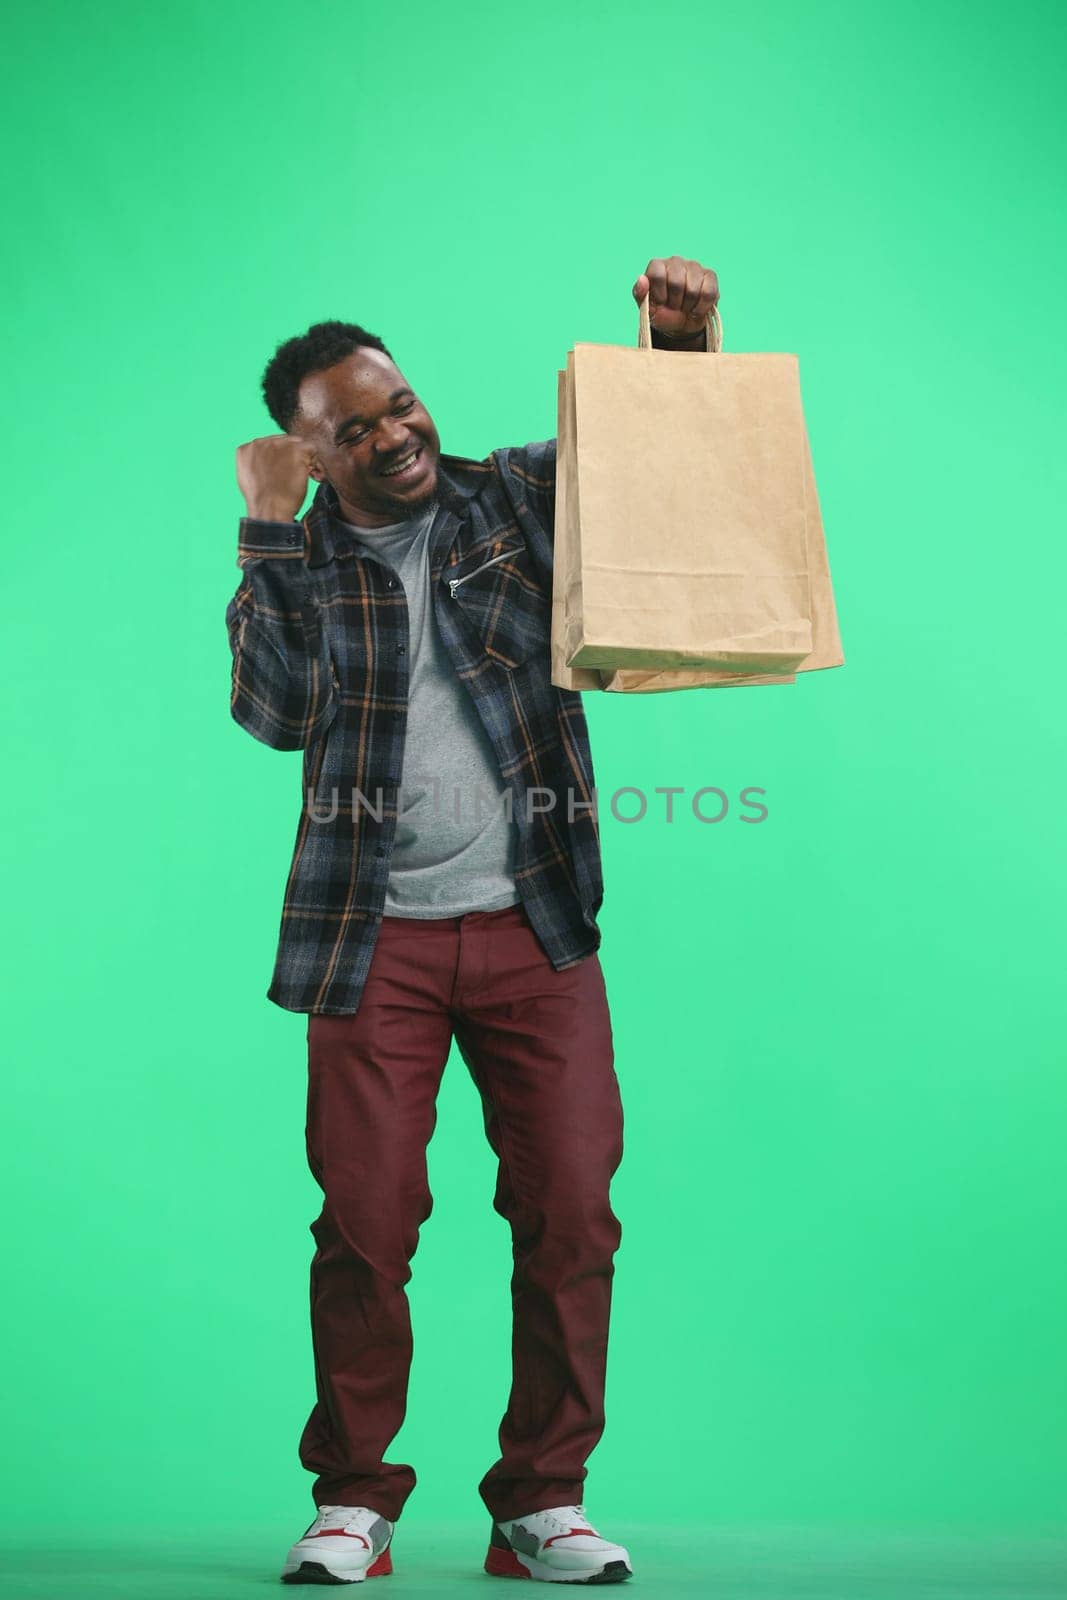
644, 330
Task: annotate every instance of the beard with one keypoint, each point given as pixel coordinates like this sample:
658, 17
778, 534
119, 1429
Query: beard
413, 504
420, 501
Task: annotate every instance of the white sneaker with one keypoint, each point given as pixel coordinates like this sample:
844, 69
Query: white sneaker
557, 1546
344, 1544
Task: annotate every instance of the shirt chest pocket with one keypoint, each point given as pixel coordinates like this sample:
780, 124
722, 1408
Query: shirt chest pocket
499, 596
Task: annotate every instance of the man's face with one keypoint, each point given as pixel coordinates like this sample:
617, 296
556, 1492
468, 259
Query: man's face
363, 421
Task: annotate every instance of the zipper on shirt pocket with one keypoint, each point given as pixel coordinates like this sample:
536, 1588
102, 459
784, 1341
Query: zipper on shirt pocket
454, 583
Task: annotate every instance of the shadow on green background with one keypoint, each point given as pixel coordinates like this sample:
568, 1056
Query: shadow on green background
840, 1300
698, 1562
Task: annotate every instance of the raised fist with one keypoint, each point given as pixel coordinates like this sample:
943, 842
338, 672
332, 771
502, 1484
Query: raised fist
272, 474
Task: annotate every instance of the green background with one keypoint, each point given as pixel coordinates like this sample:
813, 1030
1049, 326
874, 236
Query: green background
840, 1300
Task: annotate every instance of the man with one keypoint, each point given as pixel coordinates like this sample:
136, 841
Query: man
445, 884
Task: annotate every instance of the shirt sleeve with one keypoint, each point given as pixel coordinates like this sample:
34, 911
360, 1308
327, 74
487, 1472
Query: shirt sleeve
534, 465
284, 689
257, 539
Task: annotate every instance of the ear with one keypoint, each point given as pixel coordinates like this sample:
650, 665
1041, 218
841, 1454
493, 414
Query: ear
314, 469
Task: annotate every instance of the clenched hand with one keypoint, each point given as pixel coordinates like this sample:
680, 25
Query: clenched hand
272, 474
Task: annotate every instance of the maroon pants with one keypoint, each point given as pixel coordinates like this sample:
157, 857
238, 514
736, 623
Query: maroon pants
538, 1044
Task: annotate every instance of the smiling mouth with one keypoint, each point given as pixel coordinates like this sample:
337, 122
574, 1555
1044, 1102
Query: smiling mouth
406, 467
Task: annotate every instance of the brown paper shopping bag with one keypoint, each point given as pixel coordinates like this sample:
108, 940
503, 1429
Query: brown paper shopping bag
632, 681
687, 544
826, 639
794, 550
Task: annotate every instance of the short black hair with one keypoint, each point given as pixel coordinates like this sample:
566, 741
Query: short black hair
322, 346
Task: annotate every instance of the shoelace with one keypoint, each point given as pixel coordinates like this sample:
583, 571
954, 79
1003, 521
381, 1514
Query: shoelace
355, 1519
565, 1518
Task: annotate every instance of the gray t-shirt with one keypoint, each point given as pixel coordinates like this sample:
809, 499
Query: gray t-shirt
454, 850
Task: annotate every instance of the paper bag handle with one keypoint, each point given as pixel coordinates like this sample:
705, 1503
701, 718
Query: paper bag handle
644, 328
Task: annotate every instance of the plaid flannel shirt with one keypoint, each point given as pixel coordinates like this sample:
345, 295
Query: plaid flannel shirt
318, 633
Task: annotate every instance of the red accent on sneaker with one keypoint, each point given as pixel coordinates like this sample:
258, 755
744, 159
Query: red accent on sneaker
340, 1533
504, 1564
579, 1532
383, 1565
